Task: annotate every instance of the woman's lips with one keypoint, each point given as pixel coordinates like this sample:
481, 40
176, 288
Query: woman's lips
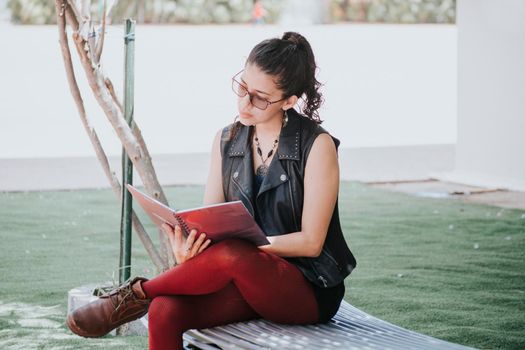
245, 115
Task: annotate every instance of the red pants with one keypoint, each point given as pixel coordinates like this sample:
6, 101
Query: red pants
230, 281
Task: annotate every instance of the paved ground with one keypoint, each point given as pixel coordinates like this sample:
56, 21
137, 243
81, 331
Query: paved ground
358, 164
472, 194
410, 169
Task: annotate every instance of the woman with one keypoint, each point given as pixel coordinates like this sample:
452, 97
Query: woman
284, 168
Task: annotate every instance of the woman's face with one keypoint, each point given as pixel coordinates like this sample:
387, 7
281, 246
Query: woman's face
260, 85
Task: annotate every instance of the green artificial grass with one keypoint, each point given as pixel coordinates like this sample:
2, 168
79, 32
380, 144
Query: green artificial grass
441, 267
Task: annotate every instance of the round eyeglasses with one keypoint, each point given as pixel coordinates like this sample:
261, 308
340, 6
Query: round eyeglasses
258, 102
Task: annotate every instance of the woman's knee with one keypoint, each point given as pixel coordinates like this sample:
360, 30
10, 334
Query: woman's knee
163, 309
159, 306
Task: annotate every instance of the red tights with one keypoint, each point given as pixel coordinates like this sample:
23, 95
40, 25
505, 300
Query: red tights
231, 281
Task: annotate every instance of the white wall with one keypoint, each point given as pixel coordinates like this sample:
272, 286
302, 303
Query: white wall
491, 93
384, 85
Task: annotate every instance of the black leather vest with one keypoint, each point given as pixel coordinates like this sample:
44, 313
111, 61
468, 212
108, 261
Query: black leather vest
279, 203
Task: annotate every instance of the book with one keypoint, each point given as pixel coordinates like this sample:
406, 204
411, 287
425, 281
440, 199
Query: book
218, 221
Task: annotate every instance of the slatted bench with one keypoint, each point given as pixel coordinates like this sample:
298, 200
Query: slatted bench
351, 328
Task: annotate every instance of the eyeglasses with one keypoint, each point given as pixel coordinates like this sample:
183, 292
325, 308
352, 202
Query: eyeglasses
258, 102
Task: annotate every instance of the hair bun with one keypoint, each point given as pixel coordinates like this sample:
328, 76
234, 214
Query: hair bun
294, 38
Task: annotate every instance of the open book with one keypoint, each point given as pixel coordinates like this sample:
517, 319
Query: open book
217, 221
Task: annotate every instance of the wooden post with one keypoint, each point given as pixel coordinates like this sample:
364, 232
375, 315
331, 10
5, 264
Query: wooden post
127, 165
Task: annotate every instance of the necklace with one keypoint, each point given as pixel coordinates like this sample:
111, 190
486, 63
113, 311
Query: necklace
262, 169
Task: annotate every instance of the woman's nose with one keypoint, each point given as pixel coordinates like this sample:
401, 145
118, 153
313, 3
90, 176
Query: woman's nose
244, 102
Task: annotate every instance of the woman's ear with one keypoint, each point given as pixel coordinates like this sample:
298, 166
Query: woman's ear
290, 102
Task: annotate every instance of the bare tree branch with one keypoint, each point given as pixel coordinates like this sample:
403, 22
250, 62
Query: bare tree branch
111, 89
164, 246
100, 43
142, 161
75, 92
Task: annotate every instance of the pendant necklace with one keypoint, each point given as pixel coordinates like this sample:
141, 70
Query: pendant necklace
262, 169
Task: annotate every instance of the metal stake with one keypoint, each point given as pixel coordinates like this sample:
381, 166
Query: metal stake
127, 165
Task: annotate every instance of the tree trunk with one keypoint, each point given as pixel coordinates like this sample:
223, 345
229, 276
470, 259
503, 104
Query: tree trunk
131, 138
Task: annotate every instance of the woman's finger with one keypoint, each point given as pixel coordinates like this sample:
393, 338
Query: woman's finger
190, 240
179, 240
173, 242
197, 244
166, 228
204, 246
171, 238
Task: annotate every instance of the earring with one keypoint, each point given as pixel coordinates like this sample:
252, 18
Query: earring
285, 118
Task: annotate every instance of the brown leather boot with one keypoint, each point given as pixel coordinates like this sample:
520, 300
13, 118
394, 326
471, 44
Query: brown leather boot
111, 310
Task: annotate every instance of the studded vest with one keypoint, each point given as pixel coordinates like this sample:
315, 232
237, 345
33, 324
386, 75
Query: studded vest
279, 202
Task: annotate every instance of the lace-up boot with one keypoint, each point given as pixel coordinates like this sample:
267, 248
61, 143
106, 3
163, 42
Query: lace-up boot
113, 309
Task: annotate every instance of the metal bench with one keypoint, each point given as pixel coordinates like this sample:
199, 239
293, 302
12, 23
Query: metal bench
351, 328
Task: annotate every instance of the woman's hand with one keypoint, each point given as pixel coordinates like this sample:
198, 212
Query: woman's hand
185, 248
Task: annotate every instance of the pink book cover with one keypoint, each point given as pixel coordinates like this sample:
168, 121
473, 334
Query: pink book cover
218, 221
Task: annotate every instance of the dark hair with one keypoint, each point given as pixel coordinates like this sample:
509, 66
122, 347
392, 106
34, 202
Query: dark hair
292, 61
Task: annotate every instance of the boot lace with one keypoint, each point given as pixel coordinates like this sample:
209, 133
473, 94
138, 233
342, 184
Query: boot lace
121, 296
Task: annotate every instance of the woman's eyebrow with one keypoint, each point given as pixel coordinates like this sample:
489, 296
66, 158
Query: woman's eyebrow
262, 92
